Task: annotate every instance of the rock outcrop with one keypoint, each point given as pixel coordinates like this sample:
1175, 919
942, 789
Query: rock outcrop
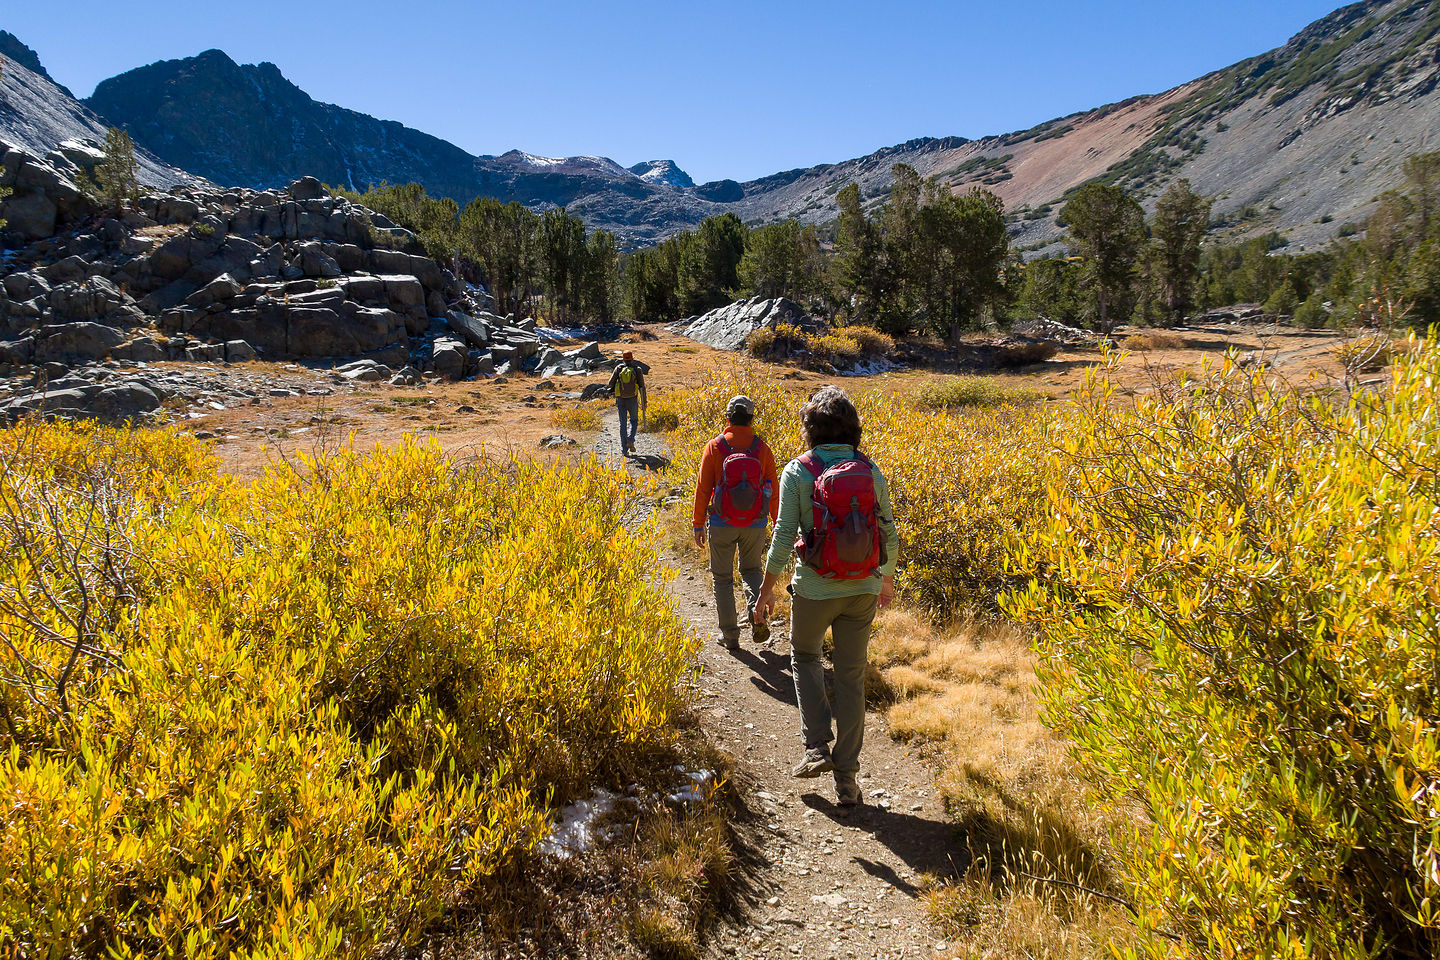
728, 327
228, 276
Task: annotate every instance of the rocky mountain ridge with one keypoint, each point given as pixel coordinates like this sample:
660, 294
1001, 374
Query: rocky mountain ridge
248, 125
1301, 139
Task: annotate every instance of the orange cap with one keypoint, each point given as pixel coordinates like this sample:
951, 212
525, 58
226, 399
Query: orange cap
626, 355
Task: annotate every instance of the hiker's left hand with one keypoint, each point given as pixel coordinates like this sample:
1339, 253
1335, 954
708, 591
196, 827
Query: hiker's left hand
887, 592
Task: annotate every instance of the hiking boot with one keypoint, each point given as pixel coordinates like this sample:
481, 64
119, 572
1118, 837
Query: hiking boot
760, 633
815, 762
847, 791
730, 643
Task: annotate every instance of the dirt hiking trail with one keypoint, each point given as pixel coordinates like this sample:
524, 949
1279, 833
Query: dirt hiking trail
825, 882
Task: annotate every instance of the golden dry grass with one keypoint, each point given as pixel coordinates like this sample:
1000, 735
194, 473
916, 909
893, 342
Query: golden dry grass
1037, 865
1154, 340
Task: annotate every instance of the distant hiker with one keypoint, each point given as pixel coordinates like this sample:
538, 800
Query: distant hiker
627, 383
734, 500
838, 503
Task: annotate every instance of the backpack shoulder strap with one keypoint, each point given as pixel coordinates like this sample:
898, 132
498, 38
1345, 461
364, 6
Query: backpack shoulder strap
864, 459
726, 444
754, 445
812, 463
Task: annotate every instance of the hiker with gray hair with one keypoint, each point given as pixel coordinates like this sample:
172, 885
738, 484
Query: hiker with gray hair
835, 515
734, 501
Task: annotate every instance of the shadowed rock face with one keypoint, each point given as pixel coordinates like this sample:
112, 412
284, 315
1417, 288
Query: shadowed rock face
10, 46
249, 126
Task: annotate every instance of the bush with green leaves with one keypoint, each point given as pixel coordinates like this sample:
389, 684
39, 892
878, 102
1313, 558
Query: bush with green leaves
1239, 615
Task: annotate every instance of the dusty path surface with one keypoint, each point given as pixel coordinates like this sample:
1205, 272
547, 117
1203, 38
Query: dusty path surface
824, 882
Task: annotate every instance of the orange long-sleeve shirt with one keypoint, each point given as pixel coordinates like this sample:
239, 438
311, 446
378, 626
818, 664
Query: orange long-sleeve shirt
739, 438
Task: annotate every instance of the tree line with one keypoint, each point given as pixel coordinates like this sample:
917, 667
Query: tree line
1156, 273
517, 253
919, 258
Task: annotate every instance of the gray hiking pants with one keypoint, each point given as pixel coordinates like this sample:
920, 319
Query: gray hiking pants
628, 409
848, 619
725, 542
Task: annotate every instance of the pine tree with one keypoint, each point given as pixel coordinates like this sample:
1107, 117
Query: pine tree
601, 277
956, 258
1179, 224
117, 177
4, 192
856, 264
772, 262
709, 265
1423, 172
1107, 226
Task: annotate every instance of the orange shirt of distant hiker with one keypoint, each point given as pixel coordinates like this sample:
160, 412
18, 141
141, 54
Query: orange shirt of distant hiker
739, 438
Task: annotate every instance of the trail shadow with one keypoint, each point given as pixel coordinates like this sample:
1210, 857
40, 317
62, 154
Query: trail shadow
769, 672
1025, 838
924, 845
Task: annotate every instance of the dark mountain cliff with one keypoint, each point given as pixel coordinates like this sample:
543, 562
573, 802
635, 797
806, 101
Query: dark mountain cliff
248, 126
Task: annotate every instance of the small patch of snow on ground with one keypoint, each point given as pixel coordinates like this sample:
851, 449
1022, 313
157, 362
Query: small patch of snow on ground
694, 791
575, 829
578, 826
535, 161
871, 367
562, 333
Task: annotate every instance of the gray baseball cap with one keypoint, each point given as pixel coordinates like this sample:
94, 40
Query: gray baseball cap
741, 404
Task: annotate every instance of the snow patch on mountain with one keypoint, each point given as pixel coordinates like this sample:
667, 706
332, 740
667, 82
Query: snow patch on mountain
662, 172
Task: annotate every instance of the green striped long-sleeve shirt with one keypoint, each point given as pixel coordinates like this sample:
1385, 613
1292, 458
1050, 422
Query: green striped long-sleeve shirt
797, 485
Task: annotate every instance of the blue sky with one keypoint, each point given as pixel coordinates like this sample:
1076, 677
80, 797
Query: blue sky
736, 90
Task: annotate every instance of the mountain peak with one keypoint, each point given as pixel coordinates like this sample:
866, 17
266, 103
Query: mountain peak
12, 47
662, 172
215, 55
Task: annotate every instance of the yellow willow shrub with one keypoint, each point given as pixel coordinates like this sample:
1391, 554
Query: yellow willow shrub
872, 342
308, 715
586, 416
1241, 625
965, 484
838, 349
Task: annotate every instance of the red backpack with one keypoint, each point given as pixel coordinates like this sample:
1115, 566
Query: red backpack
738, 498
844, 543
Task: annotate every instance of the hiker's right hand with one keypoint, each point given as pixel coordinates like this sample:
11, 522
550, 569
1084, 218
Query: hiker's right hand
699, 536
764, 606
